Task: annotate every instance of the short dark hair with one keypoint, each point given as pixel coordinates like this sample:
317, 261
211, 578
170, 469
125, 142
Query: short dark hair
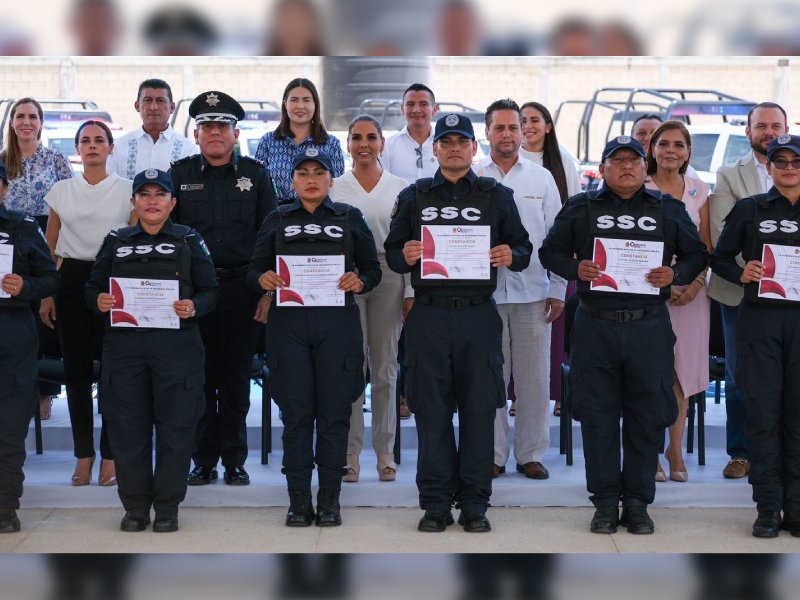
100, 124
420, 87
646, 117
156, 84
766, 105
504, 104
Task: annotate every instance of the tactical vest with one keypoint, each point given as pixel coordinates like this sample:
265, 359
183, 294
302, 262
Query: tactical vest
771, 227
473, 210
165, 257
9, 234
644, 222
297, 237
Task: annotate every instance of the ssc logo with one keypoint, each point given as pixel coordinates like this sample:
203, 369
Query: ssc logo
333, 231
624, 139
165, 249
429, 213
784, 139
4, 237
451, 120
771, 226
626, 222
312, 152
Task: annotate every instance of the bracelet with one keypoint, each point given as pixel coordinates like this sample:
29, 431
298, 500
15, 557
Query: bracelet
700, 279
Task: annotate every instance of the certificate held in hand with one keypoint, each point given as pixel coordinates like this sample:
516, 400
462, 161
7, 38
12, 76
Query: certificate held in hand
144, 303
456, 252
310, 280
781, 279
624, 264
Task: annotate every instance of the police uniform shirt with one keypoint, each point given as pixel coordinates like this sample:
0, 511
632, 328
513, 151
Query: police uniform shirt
362, 246
570, 234
203, 277
225, 204
31, 260
504, 219
739, 234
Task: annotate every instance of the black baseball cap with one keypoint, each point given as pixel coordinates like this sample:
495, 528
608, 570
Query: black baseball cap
454, 123
160, 178
789, 142
314, 154
622, 142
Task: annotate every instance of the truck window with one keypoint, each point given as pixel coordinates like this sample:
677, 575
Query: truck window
703, 145
736, 148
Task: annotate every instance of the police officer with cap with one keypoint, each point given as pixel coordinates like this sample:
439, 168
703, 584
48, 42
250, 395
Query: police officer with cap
314, 346
225, 197
766, 230
622, 341
454, 351
152, 361
27, 273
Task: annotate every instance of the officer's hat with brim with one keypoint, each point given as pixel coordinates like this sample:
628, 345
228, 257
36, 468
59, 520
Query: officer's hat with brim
620, 143
3, 172
786, 141
159, 178
215, 106
453, 123
312, 154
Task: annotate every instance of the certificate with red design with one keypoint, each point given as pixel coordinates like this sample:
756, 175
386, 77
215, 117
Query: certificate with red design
6, 264
624, 265
310, 280
781, 280
144, 303
456, 252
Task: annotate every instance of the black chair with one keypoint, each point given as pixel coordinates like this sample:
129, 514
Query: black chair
51, 370
565, 423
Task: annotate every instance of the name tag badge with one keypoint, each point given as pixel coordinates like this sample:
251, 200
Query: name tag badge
192, 187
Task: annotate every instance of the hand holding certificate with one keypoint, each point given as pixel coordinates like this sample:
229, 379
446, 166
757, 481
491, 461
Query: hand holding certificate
456, 252
310, 280
780, 278
624, 265
6, 266
143, 303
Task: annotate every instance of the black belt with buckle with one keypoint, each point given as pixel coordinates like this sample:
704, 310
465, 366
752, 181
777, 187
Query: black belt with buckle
231, 272
620, 316
452, 302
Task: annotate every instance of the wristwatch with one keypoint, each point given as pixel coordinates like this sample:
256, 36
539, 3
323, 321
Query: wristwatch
676, 276
269, 293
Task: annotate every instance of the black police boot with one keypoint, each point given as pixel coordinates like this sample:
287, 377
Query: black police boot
328, 509
301, 510
9, 522
605, 520
166, 522
636, 519
435, 520
236, 475
768, 524
135, 520
791, 522
202, 476
474, 522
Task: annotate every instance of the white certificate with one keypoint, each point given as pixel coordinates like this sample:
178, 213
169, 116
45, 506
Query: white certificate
144, 303
456, 252
624, 265
6, 264
781, 280
310, 280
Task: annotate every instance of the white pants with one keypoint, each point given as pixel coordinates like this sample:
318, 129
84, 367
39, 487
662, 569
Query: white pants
381, 321
526, 350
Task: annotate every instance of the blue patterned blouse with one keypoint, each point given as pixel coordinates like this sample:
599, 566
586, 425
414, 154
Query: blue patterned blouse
277, 154
40, 172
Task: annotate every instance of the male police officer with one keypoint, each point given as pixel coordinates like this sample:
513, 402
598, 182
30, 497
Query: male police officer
27, 273
451, 233
624, 237
224, 197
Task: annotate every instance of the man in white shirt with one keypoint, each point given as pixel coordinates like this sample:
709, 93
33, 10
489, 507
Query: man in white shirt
746, 177
155, 144
529, 301
409, 153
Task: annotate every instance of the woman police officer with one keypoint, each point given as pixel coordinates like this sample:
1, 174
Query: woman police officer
766, 230
152, 361
27, 273
315, 352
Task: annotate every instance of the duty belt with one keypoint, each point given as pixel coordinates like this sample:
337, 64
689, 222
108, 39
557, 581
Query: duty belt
452, 302
230, 272
620, 316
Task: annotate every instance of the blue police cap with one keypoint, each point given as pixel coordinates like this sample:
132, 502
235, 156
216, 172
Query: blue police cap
215, 106
622, 142
3, 173
160, 178
454, 123
789, 142
312, 154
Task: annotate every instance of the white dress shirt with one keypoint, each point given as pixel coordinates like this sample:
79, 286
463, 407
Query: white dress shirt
400, 157
764, 178
136, 151
570, 167
538, 203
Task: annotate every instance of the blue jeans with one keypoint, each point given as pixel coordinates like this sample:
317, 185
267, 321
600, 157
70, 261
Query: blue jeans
735, 400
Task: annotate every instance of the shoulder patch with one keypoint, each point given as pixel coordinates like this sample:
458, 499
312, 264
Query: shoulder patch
203, 246
250, 159
183, 160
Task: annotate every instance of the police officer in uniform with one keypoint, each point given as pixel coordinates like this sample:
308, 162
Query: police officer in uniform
27, 273
453, 333
768, 336
315, 353
225, 197
152, 375
622, 342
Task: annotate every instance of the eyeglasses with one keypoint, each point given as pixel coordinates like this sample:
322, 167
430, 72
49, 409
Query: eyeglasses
419, 156
783, 163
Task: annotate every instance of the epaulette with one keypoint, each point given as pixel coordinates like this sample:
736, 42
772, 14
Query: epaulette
124, 233
252, 160
340, 208
486, 183
15, 217
424, 184
180, 161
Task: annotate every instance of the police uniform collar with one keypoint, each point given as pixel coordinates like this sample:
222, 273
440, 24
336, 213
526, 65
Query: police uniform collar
3, 212
438, 178
234, 162
167, 229
327, 203
773, 195
607, 192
